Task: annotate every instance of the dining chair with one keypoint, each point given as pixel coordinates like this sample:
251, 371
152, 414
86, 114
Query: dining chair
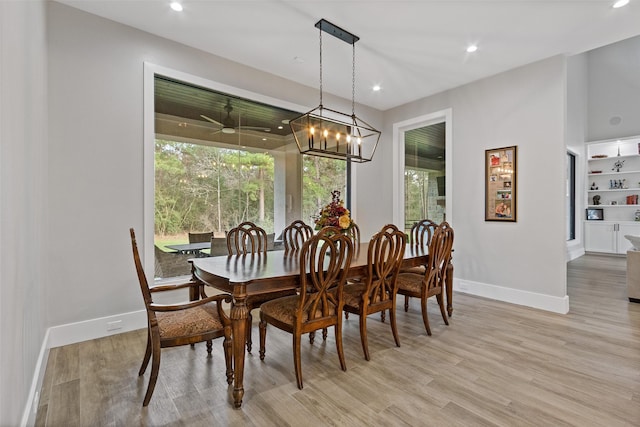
432, 281
246, 238
324, 264
249, 239
180, 324
354, 234
421, 233
295, 234
376, 292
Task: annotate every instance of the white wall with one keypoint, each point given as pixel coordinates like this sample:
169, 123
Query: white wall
614, 90
24, 283
96, 148
522, 262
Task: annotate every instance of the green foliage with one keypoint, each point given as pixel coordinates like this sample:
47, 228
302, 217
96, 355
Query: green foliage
200, 188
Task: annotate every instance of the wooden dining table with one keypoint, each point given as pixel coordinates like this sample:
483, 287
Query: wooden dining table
249, 275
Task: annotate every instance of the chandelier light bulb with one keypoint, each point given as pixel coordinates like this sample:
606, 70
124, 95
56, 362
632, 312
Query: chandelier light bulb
176, 6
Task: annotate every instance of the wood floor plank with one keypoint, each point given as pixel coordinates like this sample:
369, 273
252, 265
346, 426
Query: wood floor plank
496, 364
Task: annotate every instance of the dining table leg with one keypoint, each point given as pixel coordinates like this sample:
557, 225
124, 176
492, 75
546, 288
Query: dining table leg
239, 314
449, 288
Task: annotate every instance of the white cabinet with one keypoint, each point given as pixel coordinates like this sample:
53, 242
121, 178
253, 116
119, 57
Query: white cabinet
608, 237
613, 185
613, 178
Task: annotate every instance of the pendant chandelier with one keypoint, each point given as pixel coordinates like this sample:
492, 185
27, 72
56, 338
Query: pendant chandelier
329, 133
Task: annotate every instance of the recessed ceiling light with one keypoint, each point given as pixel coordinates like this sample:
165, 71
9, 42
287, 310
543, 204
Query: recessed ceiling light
176, 6
264, 139
472, 48
620, 3
376, 88
285, 121
280, 127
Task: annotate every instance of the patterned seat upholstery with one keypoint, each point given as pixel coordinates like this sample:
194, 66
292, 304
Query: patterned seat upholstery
190, 322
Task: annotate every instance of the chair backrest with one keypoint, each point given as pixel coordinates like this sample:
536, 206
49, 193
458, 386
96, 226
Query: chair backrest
439, 256
324, 265
142, 278
385, 255
295, 234
219, 246
352, 232
246, 238
200, 237
422, 232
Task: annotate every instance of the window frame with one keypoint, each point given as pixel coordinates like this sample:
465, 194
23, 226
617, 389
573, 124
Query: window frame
149, 136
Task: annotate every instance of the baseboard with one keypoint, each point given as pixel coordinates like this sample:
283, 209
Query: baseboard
31, 407
71, 333
574, 252
96, 328
514, 296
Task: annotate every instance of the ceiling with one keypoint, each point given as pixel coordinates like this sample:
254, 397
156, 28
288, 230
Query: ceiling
412, 49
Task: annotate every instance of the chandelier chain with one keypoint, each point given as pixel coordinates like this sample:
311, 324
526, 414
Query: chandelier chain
353, 81
320, 30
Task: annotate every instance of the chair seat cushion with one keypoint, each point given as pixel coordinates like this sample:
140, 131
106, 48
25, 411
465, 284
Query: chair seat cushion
189, 322
352, 294
284, 309
410, 282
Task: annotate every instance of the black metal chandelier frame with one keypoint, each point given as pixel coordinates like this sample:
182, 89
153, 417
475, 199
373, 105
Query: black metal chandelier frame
330, 133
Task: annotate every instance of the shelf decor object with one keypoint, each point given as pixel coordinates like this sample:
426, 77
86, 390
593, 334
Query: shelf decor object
500, 184
329, 133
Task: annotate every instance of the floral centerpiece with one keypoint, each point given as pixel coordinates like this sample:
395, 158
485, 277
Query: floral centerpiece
334, 214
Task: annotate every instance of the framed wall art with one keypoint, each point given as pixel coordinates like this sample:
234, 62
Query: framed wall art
500, 184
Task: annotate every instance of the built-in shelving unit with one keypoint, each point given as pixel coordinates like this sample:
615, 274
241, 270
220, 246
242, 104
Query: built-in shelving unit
613, 185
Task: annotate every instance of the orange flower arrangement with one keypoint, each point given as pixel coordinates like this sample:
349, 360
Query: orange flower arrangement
334, 214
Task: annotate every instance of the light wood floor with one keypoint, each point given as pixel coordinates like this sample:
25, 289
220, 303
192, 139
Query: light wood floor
496, 364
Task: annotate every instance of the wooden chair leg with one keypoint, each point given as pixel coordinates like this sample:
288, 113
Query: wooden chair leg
324, 334
228, 353
442, 309
312, 337
338, 334
249, 324
296, 358
394, 326
147, 356
383, 315
209, 348
263, 336
406, 303
425, 319
363, 336
155, 368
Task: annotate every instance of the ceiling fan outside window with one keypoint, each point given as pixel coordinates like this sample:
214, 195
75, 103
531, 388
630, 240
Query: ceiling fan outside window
228, 125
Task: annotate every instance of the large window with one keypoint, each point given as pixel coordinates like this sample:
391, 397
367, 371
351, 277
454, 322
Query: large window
320, 176
219, 160
424, 174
